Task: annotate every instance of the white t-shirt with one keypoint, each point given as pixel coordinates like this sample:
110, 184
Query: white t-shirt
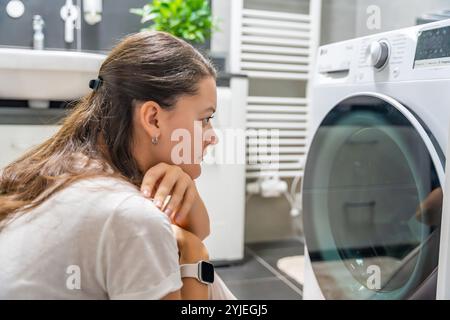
96, 239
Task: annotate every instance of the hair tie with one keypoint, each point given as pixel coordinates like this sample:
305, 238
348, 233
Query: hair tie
94, 84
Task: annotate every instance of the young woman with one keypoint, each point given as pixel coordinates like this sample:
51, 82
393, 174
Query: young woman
105, 209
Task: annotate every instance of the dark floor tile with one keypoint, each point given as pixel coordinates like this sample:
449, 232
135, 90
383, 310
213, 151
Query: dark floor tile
252, 280
272, 255
248, 269
272, 252
287, 243
263, 289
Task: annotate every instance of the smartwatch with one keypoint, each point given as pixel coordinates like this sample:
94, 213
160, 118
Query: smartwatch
203, 271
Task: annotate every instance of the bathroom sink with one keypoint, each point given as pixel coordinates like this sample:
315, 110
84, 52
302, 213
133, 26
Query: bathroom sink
43, 75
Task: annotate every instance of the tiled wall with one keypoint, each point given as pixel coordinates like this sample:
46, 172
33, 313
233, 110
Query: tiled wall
116, 22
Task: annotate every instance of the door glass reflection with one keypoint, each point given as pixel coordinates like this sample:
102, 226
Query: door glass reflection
372, 202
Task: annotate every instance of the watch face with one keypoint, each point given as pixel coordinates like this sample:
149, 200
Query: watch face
207, 272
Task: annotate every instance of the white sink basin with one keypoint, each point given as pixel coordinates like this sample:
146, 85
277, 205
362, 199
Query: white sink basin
44, 75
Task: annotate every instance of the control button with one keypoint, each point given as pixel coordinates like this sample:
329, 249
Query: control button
378, 54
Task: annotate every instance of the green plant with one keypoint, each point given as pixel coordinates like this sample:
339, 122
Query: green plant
188, 19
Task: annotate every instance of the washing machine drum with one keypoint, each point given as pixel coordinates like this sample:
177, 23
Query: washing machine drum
372, 201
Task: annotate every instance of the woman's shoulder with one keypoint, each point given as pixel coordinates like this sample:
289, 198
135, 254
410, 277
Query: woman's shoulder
98, 188
121, 208
105, 182
105, 196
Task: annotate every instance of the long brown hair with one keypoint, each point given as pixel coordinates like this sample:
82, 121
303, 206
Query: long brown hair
96, 138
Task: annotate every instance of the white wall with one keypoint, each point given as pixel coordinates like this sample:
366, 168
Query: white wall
338, 20
347, 19
395, 14
220, 41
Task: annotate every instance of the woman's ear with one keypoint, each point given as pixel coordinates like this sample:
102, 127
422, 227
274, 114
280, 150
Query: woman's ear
149, 114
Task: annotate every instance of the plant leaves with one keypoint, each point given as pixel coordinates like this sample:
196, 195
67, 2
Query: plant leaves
188, 19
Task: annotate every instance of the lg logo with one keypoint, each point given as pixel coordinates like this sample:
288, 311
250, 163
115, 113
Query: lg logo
373, 21
73, 281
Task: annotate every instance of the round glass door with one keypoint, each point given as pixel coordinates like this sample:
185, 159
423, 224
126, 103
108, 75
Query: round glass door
372, 201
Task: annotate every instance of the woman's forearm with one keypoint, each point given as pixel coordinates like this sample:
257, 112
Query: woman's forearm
197, 221
194, 290
193, 251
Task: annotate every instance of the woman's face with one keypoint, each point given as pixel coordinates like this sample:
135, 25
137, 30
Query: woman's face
183, 133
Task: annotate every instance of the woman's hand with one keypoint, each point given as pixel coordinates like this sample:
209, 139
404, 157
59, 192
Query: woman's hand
184, 205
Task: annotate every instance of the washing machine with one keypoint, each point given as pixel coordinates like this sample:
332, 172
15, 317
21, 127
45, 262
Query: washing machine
373, 185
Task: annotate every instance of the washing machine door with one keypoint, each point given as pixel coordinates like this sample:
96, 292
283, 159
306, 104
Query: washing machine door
372, 201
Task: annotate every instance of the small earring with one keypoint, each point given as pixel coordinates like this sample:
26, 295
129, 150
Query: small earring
155, 140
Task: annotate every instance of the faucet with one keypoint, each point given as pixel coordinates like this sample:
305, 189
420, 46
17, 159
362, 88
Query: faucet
71, 16
38, 37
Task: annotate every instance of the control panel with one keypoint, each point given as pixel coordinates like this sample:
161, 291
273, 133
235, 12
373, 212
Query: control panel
420, 52
433, 48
